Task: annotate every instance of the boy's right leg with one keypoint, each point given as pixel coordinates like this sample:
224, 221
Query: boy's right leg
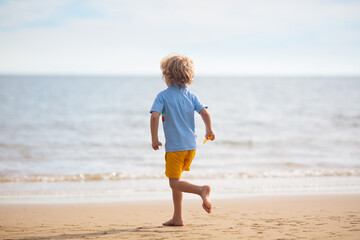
202, 191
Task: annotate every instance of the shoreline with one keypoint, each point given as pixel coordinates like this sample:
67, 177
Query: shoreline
257, 217
158, 189
137, 198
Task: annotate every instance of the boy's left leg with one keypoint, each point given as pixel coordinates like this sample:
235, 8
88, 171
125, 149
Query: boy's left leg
177, 217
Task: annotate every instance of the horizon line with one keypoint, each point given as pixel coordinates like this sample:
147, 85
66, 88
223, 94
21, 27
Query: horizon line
159, 75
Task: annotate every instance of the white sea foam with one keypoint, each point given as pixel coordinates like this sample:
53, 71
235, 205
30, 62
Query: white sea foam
126, 176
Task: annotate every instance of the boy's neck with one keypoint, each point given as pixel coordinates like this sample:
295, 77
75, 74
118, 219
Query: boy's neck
175, 85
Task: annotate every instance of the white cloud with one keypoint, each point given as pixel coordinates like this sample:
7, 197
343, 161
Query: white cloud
227, 17
19, 13
245, 37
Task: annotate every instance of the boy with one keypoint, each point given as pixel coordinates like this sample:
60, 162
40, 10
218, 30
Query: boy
177, 105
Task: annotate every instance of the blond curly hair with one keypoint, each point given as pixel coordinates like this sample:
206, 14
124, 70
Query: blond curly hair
177, 69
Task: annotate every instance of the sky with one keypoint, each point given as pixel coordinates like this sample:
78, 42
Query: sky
224, 37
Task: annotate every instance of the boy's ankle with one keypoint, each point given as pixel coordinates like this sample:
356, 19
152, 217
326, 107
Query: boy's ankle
177, 218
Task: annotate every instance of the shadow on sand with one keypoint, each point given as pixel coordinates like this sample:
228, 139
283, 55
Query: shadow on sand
152, 230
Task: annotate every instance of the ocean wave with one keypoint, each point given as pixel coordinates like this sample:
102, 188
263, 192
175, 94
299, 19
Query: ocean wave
37, 178
342, 120
75, 178
234, 143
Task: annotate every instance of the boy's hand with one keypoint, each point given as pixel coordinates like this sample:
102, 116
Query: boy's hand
156, 145
210, 136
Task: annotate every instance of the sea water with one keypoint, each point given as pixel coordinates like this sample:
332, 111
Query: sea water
77, 138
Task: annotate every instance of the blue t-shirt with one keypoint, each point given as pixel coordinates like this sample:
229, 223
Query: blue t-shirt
178, 106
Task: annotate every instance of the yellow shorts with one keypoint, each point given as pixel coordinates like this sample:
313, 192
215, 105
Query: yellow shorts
177, 162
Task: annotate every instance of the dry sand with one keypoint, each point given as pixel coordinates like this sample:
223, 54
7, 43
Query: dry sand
275, 217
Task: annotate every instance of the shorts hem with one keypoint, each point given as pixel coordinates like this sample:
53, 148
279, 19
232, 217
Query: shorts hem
172, 176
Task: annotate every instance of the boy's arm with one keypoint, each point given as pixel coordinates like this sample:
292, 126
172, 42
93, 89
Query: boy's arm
154, 125
205, 115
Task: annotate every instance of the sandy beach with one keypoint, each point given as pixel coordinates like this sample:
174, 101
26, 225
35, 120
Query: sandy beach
261, 217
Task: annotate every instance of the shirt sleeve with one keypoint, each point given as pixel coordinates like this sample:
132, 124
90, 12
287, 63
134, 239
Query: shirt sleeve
198, 104
158, 104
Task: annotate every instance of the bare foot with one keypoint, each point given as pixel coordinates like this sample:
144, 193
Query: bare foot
205, 195
173, 222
